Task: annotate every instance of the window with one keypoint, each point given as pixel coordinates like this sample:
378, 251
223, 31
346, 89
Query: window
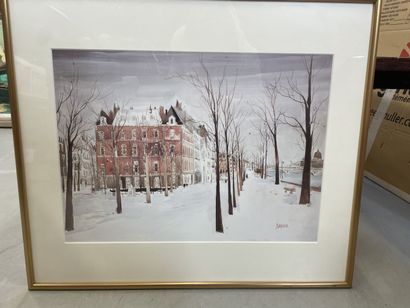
172, 133
122, 135
103, 121
156, 166
103, 169
134, 134
101, 135
123, 149
155, 150
135, 166
171, 120
134, 150
102, 150
144, 134
172, 148
155, 134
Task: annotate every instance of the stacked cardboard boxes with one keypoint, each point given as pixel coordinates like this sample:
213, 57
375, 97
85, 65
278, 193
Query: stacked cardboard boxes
388, 161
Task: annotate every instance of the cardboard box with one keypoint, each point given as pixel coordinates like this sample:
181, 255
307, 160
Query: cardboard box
388, 161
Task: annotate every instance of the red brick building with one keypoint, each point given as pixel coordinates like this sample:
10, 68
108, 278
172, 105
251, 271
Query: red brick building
157, 143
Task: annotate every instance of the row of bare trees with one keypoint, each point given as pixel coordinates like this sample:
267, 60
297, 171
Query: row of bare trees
221, 103
305, 123
71, 108
219, 99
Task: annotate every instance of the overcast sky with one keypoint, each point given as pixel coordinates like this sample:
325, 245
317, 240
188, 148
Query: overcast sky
144, 78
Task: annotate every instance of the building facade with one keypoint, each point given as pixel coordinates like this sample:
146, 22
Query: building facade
155, 147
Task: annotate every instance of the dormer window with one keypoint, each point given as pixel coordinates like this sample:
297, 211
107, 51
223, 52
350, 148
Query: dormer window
103, 121
172, 120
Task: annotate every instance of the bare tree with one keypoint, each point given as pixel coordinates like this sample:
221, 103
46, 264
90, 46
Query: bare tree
239, 152
164, 154
236, 141
72, 104
212, 91
310, 106
268, 113
228, 115
92, 152
147, 182
263, 135
117, 135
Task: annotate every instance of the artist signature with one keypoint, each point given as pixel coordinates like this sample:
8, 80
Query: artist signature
281, 226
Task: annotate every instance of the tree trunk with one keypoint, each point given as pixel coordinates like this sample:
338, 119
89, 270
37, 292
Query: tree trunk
230, 205
305, 192
242, 177
238, 176
266, 157
147, 184
166, 174
218, 213
78, 174
171, 187
69, 215
233, 182
275, 145
117, 182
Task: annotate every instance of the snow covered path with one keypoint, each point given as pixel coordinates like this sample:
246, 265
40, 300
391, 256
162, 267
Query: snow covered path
264, 213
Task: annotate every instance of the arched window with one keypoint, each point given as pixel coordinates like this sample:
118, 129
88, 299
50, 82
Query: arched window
101, 135
134, 134
134, 150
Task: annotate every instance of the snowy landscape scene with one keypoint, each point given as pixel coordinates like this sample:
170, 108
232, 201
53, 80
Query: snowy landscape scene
191, 146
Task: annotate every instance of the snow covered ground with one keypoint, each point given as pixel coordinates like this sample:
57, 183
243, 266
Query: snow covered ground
265, 212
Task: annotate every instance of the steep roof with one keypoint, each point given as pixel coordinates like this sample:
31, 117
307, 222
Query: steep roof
133, 117
181, 116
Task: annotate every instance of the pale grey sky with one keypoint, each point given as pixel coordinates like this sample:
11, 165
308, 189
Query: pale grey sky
144, 78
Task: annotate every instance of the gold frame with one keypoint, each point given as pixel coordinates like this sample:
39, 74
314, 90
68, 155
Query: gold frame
21, 179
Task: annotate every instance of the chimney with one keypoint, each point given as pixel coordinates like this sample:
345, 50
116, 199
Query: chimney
162, 113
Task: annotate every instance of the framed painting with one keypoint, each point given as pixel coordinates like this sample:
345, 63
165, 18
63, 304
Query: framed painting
171, 144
